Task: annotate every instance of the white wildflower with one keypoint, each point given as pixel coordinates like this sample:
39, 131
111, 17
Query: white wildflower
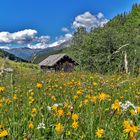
41, 126
59, 104
49, 108
126, 105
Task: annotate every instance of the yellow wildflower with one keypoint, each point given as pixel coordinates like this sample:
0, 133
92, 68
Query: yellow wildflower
0, 105
122, 97
102, 96
75, 97
138, 109
25, 138
94, 84
75, 125
69, 113
32, 93
93, 99
88, 96
8, 102
85, 102
34, 110
2, 89
39, 85
100, 132
116, 105
31, 99
130, 129
79, 83
75, 116
60, 113
59, 128
15, 97
31, 126
79, 92
66, 105
53, 98
4, 133
54, 107
133, 112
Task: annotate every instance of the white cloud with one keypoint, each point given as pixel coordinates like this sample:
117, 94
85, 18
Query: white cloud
5, 47
64, 29
19, 37
38, 46
100, 15
42, 39
68, 36
88, 21
61, 39
24, 37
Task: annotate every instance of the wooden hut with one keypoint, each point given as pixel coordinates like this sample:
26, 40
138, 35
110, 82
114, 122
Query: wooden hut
58, 62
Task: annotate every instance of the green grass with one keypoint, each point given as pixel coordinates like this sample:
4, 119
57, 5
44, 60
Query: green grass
78, 92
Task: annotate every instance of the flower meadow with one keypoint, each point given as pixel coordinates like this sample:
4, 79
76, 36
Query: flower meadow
69, 106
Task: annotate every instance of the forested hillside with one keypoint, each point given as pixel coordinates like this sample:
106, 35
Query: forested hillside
111, 48
5, 54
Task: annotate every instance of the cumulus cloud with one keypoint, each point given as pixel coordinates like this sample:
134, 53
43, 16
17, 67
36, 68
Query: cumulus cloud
43, 45
88, 20
64, 29
25, 37
42, 39
61, 39
19, 37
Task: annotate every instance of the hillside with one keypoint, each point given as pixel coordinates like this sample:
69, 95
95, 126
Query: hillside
18, 67
103, 49
5, 54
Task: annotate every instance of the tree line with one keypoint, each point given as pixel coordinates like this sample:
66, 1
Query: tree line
112, 48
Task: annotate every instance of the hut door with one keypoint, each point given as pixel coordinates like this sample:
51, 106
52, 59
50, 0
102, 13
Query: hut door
68, 67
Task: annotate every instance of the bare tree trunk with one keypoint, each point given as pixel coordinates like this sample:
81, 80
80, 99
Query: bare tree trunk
125, 62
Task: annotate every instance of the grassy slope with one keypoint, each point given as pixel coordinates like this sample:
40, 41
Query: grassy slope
18, 66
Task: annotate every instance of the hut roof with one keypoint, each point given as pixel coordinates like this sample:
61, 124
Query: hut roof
53, 59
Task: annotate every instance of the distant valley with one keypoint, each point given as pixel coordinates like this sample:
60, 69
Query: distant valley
34, 55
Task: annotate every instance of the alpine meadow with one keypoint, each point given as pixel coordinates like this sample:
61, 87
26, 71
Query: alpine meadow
86, 88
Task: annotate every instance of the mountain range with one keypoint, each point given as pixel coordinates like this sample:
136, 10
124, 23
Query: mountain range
34, 55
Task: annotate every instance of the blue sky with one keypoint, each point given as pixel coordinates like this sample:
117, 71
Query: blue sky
48, 17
